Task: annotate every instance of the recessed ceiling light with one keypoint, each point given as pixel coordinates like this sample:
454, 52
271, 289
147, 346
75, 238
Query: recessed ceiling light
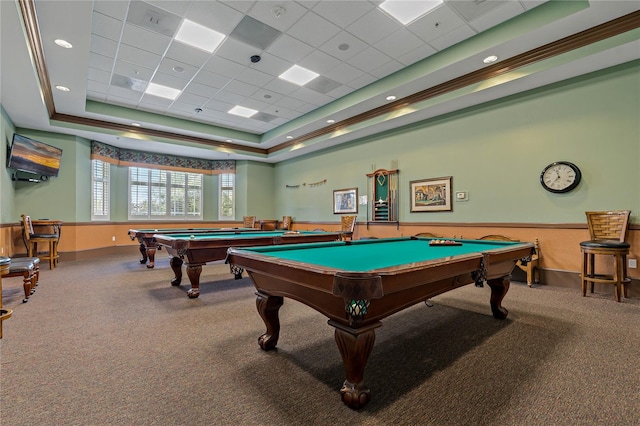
162, 91
406, 12
298, 75
343, 46
289, 137
228, 140
63, 88
135, 124
178, 69
199, 36
242, 111
490, 59
331, 121
391, 98
63, 43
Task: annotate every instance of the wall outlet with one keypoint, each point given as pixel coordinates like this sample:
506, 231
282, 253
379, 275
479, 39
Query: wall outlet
113, 238
633, 263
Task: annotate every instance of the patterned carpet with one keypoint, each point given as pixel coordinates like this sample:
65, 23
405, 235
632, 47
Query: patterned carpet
108, 341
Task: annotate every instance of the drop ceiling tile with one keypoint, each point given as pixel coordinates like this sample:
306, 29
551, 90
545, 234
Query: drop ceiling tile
240, 88
255, 33
266, 96
343, 46
344, 73
153, 18
145, 39
169, 80
177, 69
222, 66
319, 62
106, 26
132, 70
280, 86
115, 9
340, 92
191, 101
187, 54
229, 97
100, 62
256, 104
210, 79
369, 59
272, 65
373, 26
470, 10
399, 43
342, 13
138, 56
129, 83
311, 97
96, 96
178, 7
313, 30
99, 75
437, 23
200, 89
290, 103
242, 6
289, 48
416, 55
114, 100
97, 88
217, 107
266, 11
122, 93
362, 81
214, 15
255, 77
103, 46
237, 51
277, 110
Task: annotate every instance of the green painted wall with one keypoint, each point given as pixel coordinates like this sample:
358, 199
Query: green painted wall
496, 152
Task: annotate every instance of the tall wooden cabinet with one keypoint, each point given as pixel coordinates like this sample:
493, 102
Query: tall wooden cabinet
383, 196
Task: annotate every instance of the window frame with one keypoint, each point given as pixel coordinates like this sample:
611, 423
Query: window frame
104, 182
223, 189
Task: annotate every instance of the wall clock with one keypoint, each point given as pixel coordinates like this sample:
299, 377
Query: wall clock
560, 177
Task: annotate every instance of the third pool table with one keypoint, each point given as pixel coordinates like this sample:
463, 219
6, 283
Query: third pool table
358, 283
196, 249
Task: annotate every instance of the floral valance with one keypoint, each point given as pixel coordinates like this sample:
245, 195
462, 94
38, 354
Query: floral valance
132, 158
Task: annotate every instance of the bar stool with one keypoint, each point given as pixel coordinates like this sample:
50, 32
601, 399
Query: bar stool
608, 231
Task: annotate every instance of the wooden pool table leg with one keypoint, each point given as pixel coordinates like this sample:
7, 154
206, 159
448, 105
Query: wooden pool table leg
268, 307
499, 288
151, 254
355, 346
143, 251
193, 272
176, 267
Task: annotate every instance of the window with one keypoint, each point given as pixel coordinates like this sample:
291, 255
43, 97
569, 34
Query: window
227, 200
99, 190
163, 194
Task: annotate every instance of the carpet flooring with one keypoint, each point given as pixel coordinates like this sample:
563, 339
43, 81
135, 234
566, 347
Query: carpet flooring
110, 342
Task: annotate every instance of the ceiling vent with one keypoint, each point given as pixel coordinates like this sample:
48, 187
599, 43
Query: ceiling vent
322, 84
153, 18
128, 83
263, 116
255, 33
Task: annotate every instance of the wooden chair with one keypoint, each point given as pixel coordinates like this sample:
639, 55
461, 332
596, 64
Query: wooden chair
531, 267
286, 223
347, 225
249, 221
608, 233
31, 240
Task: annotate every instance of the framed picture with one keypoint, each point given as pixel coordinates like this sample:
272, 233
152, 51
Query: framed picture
345, 201
431, 195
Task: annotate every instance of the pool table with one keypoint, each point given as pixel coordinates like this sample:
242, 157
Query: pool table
358, 283
195, 250
148, 247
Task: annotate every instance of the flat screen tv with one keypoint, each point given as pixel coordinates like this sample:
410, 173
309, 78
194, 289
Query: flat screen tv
31, 156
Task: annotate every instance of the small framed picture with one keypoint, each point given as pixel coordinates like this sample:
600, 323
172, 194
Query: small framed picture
431, 195
345, 200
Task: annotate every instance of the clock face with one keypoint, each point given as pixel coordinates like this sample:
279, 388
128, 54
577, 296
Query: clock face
560, 177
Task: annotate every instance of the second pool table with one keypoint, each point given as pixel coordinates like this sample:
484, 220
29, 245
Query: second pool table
358, 283
195, 249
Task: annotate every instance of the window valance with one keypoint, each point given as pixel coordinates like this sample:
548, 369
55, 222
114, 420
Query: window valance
132, 158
